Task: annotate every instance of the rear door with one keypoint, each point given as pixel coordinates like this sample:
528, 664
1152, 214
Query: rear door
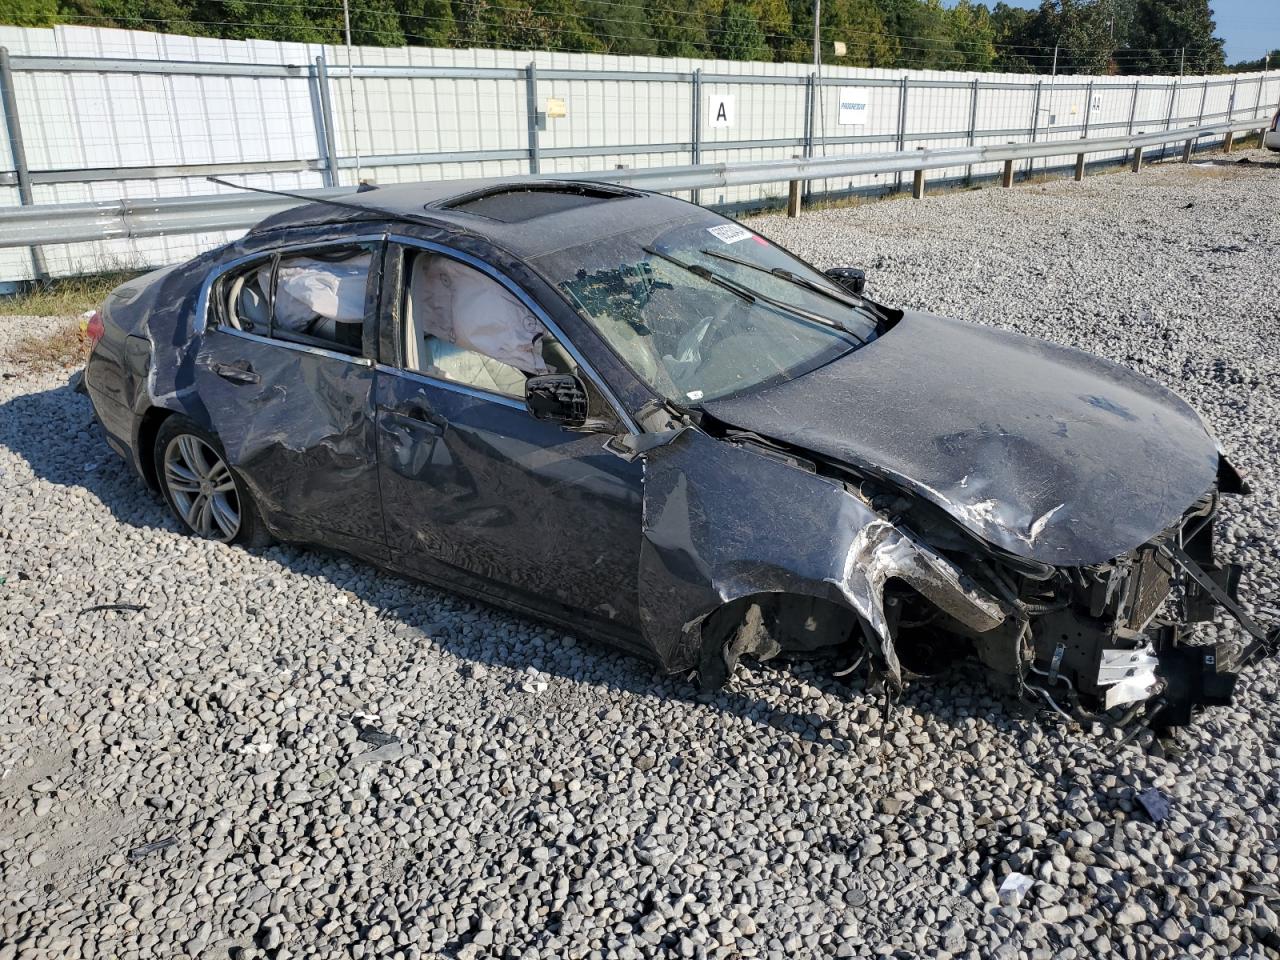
285, 372
477, 492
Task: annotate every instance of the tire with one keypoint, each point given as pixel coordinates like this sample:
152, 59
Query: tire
206, 495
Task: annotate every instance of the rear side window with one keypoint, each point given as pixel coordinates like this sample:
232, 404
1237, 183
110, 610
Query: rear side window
315, 297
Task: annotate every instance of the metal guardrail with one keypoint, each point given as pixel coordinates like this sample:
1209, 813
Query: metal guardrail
904, 161
801, 128
812, 140
74, 223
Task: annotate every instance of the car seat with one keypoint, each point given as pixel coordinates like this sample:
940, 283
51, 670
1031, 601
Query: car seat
252, 312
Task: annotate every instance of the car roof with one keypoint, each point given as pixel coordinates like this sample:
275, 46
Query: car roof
527, 217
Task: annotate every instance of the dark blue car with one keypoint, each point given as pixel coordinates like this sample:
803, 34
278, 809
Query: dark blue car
638, 419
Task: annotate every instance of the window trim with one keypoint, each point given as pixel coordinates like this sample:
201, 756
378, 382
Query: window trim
290, 345
585, 369
456, 386
201, 325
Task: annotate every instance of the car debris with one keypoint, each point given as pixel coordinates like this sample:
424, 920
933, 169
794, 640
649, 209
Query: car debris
1154, 804
146, 849
123, 607
374, 736
1014, 888
633, 418
384, 753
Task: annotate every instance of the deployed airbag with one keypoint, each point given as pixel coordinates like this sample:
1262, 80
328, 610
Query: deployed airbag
314, 295
462, 306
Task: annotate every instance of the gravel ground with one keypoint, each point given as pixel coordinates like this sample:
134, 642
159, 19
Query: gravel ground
548, 798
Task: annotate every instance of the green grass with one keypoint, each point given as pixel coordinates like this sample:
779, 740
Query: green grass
65, 297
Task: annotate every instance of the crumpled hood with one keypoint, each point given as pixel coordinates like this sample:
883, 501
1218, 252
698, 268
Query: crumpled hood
1048, 452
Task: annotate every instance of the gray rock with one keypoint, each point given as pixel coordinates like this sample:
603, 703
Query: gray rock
1131, 913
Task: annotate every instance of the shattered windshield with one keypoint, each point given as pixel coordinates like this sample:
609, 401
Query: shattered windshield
703, 308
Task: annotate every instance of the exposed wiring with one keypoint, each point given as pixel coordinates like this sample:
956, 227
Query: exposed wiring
852, 667
1053, 703
1045, 674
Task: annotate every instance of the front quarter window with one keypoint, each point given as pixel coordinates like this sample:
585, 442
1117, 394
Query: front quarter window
464, 326
702, 308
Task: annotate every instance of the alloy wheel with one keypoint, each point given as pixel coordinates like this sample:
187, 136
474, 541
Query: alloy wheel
202, 488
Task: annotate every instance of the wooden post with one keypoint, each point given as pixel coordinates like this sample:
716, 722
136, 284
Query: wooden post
917, 185
1079, 167
794, 194
1007, 179
1229, 142
1137, 159
793, 199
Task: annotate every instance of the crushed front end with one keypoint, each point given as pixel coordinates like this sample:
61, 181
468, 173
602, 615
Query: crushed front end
1107, 641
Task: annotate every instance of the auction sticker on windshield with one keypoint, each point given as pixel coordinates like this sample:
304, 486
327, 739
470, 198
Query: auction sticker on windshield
729, 232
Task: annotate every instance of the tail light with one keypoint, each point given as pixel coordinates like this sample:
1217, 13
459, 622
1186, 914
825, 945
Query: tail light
91, 326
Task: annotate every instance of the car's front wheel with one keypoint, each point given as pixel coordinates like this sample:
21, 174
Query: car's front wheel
202, 490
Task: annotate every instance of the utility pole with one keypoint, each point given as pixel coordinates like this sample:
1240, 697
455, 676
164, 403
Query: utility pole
817, 35
1048, 111
1182, 63
351, 90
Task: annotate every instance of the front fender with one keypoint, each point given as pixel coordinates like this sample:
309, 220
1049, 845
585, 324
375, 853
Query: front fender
723, 522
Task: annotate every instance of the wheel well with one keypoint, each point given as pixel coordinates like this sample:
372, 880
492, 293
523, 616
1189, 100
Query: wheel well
147, 431
763, 625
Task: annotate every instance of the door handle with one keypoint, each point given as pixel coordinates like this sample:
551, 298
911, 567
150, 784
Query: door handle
236, 373
418, 415
416, 411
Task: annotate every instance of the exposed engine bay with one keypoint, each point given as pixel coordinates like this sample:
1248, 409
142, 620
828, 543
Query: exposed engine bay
1104, 640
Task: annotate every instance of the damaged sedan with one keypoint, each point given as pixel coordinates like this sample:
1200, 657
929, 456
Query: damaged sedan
632, 417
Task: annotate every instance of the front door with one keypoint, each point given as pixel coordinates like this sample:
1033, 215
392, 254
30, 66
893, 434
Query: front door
294, 408
478, 492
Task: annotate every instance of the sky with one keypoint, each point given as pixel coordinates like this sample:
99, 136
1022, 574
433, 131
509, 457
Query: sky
1250, 27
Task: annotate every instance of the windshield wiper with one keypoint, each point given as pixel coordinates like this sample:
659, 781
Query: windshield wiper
787, 275
750, 295
702, 273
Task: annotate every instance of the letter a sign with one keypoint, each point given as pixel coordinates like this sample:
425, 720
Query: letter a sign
721, 111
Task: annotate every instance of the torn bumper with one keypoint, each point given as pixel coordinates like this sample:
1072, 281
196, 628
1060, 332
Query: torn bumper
1142, 661
1108, 642
1195, 676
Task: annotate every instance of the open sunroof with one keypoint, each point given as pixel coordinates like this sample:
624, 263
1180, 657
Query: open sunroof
516, 204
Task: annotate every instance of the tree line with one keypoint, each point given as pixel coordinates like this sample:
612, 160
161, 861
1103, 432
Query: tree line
1069, 36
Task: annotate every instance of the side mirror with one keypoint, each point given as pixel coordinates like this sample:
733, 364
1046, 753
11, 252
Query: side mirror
853, 279
556, 398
